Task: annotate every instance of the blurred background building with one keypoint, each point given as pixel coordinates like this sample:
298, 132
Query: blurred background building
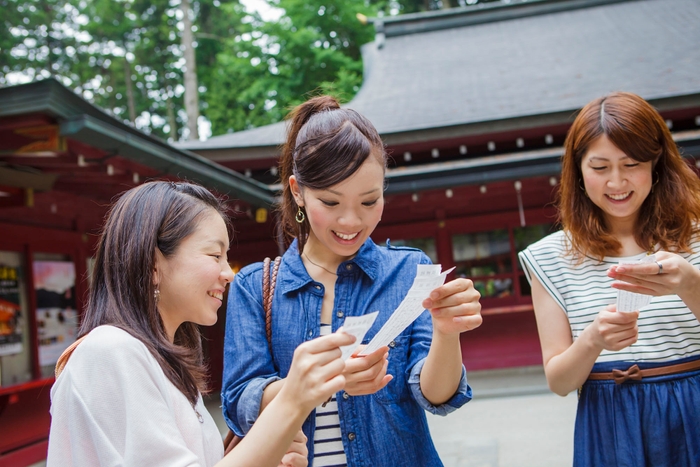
473, 105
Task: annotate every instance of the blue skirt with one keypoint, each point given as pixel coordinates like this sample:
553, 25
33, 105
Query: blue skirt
652, 422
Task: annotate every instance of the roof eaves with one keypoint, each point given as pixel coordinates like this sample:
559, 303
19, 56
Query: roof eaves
528, 121
88, 123
188, 165
515, 166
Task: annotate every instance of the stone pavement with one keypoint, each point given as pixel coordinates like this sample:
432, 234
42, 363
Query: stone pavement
513, 421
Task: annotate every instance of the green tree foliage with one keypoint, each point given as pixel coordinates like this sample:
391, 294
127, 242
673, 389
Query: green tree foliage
265, 70
126, 55
40, 38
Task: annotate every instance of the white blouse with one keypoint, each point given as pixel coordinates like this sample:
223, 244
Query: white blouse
113, 405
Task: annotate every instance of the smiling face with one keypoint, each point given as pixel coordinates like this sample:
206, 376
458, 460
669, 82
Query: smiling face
344, 215
615, 182
192, 281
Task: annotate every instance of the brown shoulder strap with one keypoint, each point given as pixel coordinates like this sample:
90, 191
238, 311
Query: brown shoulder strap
269, 284
63, 359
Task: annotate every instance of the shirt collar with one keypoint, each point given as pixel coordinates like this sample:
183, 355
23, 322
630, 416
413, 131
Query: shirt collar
295, 277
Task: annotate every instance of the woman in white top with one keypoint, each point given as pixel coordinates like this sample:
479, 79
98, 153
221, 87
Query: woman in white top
130, 393
625, 192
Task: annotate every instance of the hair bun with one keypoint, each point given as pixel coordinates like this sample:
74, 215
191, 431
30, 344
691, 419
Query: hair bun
316, 105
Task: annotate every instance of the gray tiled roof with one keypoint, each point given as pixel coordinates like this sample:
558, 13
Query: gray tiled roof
519, 67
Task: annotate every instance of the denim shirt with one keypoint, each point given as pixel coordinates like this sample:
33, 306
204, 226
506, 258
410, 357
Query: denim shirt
372, 426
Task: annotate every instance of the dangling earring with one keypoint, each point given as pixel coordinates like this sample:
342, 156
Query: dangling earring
156, 295
300, 217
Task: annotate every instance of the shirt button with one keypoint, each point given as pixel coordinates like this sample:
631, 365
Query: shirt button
318, 287
339, 314
311, 332
346, 396
392, 344
348, 267
351, 436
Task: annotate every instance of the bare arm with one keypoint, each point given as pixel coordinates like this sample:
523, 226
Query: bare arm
567, 363
270, 393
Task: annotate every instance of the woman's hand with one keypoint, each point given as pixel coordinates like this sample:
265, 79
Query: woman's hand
455, 307
316, 372
676, 276
614, 330
297, 455
367, 374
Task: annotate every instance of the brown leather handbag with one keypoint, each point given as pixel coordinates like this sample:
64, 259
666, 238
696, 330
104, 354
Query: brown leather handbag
269, 283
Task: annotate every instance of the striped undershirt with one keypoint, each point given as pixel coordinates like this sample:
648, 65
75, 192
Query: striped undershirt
328, 442
668, 330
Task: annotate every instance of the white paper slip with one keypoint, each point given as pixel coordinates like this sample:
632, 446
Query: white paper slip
630, 301
358, 327
428, 278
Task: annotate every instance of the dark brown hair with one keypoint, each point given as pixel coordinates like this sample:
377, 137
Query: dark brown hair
668, 216
155, 215
325, 145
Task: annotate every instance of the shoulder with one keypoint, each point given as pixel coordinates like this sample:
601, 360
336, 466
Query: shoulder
110, 347
253, 269
107, 338
555, 242
550, 253
402, 253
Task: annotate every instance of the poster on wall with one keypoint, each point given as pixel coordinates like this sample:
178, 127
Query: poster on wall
11, 325
56, 316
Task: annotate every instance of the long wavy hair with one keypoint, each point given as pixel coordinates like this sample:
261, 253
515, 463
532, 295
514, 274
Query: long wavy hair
155, 215
325, 145
668, 216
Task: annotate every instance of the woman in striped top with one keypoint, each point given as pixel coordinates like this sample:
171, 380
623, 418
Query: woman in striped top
625, 192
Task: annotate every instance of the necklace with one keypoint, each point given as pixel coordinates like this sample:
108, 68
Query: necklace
318, 265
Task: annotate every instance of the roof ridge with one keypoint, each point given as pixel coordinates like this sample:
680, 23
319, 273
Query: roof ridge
481, 13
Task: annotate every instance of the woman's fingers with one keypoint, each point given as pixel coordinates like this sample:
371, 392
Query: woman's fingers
453, 293
367, 374
617, 330
455, 307
325, 349
669, 274
330, 342
317, 370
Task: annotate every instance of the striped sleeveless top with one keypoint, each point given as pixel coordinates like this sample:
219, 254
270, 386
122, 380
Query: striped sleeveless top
328, 442
668, 330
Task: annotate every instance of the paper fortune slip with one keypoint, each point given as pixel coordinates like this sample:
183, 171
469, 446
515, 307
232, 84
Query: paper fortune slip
428, 278
358, 327
630, 301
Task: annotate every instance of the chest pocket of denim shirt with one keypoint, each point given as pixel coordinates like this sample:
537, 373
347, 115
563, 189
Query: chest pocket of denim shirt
397, 389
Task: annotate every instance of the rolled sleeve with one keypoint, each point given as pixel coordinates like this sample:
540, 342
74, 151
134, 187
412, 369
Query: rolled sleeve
461, 396
248, 407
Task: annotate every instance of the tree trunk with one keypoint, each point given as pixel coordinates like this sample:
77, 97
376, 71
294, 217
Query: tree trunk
191, 96
172, 122
130, 103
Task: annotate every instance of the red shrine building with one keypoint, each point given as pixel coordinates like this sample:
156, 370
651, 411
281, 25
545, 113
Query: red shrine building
473, 105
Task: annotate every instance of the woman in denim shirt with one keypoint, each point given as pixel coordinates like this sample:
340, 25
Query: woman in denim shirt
332, 171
